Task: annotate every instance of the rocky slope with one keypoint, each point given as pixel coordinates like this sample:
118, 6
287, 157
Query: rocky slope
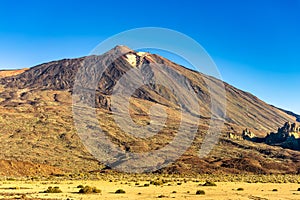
36, 123
291, 113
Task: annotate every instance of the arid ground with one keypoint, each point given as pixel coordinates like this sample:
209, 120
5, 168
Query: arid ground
155, 188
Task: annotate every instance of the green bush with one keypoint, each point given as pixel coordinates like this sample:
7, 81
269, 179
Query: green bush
120, 191
89, 190
53, 190
200, 192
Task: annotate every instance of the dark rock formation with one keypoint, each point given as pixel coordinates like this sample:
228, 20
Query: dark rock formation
248, 135
286, 137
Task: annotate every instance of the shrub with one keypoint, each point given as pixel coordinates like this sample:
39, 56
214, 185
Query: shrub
275, 190
162, 196
200, 192
157, 183
88, 190
164, 181
53, 190
120, 191
240, 189
146, 185
298, 189
80, 186
179, 183
14, 188
209, 183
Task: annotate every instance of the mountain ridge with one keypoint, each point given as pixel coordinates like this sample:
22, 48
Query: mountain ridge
290, 113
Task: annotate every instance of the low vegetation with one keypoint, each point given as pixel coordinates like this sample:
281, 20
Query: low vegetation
209, 183
77, 189
120, 191
162, 196
200, 192
89, 190
53, 190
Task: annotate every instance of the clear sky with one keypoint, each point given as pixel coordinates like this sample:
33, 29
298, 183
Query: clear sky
255, 43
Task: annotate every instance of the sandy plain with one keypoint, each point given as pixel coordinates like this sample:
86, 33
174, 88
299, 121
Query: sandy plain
137, 191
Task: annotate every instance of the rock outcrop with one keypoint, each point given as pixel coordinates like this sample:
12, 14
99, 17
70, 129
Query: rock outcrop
247, 134
286, 137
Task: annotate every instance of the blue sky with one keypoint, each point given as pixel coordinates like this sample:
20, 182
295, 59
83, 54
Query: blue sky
255, 44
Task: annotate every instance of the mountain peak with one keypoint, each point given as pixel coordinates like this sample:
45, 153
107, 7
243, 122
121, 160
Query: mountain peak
121, 49
43, 91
